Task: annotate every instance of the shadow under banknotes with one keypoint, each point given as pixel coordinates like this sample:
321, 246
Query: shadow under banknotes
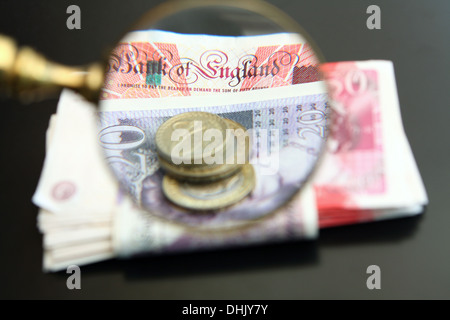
257, 257
212, 261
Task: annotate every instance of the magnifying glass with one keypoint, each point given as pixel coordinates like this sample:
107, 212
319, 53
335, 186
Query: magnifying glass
184, 77
218, 66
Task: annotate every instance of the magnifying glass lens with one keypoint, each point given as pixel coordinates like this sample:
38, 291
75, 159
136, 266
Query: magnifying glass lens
213, 115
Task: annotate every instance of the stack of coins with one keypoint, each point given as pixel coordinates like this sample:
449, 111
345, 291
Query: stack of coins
205, 158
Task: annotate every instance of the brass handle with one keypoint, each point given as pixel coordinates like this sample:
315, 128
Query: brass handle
28, 75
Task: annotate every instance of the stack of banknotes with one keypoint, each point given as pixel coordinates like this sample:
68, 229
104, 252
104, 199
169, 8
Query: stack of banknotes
90, 211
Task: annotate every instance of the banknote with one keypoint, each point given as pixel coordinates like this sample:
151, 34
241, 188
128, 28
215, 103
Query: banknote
79, 230
154, 64
288, 131
157, 64
368, 170
338, 217
181, 69
71, 184
137, 231
367, 173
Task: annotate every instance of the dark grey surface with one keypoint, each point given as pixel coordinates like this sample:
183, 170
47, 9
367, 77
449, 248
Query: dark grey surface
412, 253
